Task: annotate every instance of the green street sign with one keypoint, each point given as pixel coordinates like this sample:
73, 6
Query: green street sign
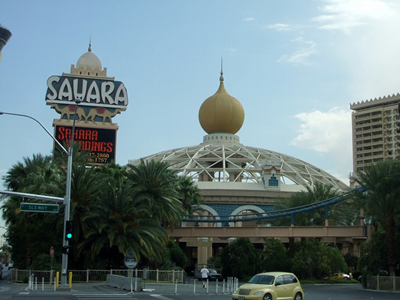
39, 207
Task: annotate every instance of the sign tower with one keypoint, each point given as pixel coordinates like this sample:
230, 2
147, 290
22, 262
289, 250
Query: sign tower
101, 99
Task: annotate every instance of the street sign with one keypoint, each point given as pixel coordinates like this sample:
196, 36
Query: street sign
130, 260
130, 263
39, 207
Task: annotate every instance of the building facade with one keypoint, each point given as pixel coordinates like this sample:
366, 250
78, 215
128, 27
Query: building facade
375, 131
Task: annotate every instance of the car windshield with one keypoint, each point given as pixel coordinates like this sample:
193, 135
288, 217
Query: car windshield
262, 279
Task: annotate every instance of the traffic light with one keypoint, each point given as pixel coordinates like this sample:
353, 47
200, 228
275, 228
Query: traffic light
66, 249
69, 231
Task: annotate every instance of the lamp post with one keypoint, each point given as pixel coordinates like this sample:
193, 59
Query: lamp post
67, 198
5, 35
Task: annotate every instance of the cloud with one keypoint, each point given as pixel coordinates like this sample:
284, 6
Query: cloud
280, 27
368, 51
347, 14
328, 134
324, 132
250, 19
300, 56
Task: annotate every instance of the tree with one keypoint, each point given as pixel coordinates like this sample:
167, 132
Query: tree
318, 192
121, 221
315, 259
240, 259
382, 200
156, 184
275, 256
189, 194
173, 257
30, 234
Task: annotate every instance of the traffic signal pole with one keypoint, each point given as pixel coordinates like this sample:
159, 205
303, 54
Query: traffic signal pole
67, 203
67, 198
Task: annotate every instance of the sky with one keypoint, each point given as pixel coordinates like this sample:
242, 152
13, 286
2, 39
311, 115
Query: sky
295, 65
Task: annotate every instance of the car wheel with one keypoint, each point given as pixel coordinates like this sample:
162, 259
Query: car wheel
298, 297
267, 297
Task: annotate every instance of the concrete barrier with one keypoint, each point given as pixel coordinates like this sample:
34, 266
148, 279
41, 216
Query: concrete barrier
132, 283
124, 283
114, 281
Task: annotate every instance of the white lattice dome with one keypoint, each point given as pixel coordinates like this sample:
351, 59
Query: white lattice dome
222, 162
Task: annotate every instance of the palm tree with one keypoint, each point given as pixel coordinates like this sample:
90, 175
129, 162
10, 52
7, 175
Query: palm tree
189, 194
36, 175
316, 193
156, 185
382, 200
120, 223
26, 231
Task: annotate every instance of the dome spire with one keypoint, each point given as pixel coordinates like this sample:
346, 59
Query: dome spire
221, 78
90, 44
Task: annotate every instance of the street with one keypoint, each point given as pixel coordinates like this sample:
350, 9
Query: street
176, 292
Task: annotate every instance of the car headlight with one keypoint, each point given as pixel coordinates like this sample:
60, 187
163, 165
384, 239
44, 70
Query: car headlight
235, 291
258, 293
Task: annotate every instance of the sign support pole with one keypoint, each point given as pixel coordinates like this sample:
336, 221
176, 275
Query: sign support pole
67, 201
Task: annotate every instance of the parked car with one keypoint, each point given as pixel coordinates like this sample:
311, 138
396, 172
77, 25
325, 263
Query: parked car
270, 286
1, 271
338, 276
10, 264
213, 275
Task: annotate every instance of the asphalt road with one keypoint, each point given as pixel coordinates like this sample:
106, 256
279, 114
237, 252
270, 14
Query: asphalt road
178, 292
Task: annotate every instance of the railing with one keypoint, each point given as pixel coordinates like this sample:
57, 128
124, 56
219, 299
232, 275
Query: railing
385, 283
100, 275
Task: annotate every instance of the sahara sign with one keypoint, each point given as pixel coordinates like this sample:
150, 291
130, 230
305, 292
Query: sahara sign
92, 92
99, 142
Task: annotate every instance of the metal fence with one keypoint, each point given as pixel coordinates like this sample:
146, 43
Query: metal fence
99, 275
385, 283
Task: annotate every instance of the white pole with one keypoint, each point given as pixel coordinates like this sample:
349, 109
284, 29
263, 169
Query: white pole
42, 284
207, 286
216, 286
55, 279
194, 287
136, 280
35, 283
176, 287
223, 286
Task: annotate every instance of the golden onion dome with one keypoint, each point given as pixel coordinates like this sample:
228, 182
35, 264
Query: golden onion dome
221, 112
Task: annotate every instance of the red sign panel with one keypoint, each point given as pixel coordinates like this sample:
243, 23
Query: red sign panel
99, 142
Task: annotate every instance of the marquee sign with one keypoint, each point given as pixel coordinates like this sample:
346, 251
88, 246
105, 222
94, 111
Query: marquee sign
92, 92
99, 142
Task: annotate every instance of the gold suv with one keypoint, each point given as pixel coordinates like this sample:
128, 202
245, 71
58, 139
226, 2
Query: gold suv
270, 286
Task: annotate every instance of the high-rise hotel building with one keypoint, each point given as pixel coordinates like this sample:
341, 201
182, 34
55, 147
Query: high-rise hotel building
376, 127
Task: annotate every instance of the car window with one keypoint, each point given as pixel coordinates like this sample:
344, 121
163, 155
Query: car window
287, 279
262, 279
266, 279
279, 280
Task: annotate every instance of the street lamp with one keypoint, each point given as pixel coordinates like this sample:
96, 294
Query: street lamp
5, 35
67, 198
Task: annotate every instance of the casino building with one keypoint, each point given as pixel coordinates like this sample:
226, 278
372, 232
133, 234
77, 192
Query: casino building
235, 179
